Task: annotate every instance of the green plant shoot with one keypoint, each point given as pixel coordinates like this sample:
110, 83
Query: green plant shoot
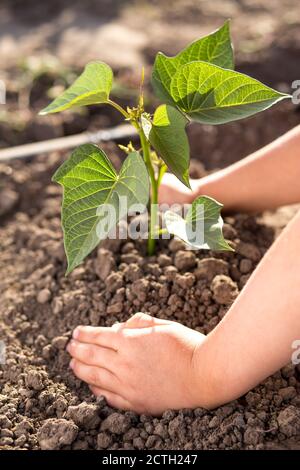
199, 84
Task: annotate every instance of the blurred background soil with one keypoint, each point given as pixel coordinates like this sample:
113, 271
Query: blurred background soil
43, 45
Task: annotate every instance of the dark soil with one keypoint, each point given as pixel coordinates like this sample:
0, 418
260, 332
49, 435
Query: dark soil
42, 405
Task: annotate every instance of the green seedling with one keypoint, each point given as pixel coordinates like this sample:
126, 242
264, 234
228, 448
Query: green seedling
198, 84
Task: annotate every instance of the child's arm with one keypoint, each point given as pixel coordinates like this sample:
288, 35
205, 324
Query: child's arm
267, 179
255, 337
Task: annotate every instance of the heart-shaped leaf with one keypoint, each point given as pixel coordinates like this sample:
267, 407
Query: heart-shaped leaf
216, 48
91, 87
91, 188
202, 227
167, 135
213, 95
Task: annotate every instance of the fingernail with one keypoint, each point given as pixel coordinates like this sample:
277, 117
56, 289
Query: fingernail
76, 333
71, 365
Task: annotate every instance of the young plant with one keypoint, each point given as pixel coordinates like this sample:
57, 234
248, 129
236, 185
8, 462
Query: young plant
198, 84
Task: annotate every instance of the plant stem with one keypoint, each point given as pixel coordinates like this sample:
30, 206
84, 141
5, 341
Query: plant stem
153, 219
154, 193
146, 153
118, 108
154, 182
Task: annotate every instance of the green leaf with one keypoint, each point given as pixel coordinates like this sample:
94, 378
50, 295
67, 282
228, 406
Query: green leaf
202, 227
213, 95
90, 184
91, 87
215, 48
168, 137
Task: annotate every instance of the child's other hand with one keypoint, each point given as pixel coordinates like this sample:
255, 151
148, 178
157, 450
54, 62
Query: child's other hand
145, 364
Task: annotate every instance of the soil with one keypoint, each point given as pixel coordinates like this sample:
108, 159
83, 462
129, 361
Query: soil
42, 405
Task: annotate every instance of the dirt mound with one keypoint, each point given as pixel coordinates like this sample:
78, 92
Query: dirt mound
42, 405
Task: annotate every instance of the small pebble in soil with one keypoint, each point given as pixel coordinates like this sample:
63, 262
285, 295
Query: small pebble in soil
60, 342
208, 268
116, 423
8, 200
104, 440
289, 421
34, 379
44, 296
185, 260
249, 251
105, 263
56, 433
246, 266
224, 289
85, 415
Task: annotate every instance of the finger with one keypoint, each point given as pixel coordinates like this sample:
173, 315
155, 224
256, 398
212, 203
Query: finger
97, 376
92, 354
113, 399
102, 336
143, 320
118, 326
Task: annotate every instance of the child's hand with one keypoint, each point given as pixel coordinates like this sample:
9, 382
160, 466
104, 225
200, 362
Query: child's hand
144, 364
172, 191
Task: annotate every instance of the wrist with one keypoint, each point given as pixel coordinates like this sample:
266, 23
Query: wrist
204, 186
207, 377
213, 186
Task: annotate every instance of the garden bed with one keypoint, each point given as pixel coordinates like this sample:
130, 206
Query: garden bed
40, 307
